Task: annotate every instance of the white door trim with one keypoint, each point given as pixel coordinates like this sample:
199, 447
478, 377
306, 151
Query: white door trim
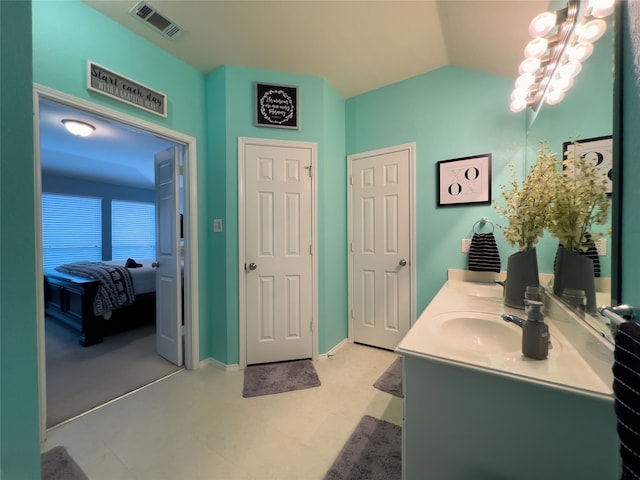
243, 142
190, 207
411, 147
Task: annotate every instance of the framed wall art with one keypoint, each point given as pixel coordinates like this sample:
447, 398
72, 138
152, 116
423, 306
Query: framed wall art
599, 150
464, 180
276, 106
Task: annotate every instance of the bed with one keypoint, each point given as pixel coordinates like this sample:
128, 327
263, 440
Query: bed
76, 299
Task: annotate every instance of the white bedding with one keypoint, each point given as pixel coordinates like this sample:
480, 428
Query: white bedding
143, 278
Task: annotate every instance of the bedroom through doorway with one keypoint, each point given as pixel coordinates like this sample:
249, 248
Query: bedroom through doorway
98, 201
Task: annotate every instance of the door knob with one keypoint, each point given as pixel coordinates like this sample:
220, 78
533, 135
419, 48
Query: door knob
402, 262
252, 266
155, 265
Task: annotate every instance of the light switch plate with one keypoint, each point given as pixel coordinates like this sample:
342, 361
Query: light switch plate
466, 243
601, 246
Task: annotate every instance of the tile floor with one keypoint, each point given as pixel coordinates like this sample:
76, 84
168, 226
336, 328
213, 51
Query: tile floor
196, 425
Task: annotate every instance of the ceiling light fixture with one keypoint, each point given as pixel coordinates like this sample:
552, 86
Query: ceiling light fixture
78, 128
553, 57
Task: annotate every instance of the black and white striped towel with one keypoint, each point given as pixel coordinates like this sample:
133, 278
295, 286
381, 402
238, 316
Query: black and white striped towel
626, 388
483, 253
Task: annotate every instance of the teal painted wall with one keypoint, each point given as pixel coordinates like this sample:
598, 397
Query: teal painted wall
450, 113
60, 62
19, 426
630, 145
586, 112
321, 120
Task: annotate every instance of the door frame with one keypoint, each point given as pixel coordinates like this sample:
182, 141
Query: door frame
411, 148
190, 212
243, 142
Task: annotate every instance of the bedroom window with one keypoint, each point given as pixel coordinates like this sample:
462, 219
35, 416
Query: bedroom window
133, 230
71, 229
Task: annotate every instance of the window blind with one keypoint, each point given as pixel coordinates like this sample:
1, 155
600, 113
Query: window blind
133, 230
71, 229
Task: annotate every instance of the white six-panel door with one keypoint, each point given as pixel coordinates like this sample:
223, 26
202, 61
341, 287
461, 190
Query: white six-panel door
278, 269
168, 274
381, 273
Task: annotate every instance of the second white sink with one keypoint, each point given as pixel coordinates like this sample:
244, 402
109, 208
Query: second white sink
481, 332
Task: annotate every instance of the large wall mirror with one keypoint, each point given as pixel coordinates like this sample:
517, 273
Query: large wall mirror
585, 113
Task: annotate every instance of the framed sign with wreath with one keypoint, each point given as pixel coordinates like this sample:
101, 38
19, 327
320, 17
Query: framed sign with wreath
276, 106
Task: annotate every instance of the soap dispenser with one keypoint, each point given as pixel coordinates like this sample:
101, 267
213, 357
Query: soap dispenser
535, 333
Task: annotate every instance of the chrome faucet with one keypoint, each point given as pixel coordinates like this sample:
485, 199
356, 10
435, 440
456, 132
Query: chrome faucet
507, 317
627, 312
618, 315
513, 319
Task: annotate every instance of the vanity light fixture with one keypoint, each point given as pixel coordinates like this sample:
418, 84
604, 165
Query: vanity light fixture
560, 42
78, 128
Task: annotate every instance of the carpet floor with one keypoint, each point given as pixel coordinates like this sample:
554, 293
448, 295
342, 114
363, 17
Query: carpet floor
79, 378
373, 452
57, 464
279, 377
391, 380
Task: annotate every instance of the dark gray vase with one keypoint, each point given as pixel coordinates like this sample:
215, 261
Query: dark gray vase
575, 272
522, 271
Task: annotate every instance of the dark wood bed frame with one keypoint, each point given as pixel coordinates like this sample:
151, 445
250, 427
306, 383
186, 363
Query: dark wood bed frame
70, 300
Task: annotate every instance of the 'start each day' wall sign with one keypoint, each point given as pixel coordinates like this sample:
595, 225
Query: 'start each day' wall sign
276, 106
114, 85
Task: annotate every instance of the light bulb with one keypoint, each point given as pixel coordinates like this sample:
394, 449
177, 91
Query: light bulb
517, 106
570, 69
580, 51
563, 84
520, 94
542, 24
591, 31
601, 8
525, 80
529, 65
554, 97
536, 48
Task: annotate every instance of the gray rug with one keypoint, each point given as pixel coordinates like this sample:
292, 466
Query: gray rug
57, 464
391, 380
280, 377
372, 452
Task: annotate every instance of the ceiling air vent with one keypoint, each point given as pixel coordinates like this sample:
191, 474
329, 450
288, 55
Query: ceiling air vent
154, 19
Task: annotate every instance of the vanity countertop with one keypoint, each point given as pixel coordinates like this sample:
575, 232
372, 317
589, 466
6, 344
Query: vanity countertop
567, 366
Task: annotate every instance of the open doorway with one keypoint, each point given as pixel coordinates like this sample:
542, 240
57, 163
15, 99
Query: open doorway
115, 171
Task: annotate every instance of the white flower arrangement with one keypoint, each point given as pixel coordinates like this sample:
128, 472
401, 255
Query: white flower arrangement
527, 205
577, 201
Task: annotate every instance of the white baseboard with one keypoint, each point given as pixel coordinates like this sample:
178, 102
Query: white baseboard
219, 365
333, 351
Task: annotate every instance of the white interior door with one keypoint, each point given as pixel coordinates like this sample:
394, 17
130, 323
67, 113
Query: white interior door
168, 276
278, 274
381, 213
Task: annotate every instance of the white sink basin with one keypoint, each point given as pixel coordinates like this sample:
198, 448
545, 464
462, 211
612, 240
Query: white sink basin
480, 332
484, 290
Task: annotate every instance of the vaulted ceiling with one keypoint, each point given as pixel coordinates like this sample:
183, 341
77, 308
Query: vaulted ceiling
356, 45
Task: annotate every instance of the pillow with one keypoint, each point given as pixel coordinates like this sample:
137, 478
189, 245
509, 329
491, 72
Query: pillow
131, 263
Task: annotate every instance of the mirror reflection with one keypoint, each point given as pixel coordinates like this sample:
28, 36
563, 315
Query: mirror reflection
585, 115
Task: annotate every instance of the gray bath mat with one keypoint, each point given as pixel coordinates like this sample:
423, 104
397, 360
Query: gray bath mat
280, 377
391, 380
57, 464
373, 452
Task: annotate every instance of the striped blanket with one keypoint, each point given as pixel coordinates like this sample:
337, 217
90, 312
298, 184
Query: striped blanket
116, 286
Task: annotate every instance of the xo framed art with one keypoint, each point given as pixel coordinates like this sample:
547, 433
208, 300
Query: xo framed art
598, 150
464, 180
